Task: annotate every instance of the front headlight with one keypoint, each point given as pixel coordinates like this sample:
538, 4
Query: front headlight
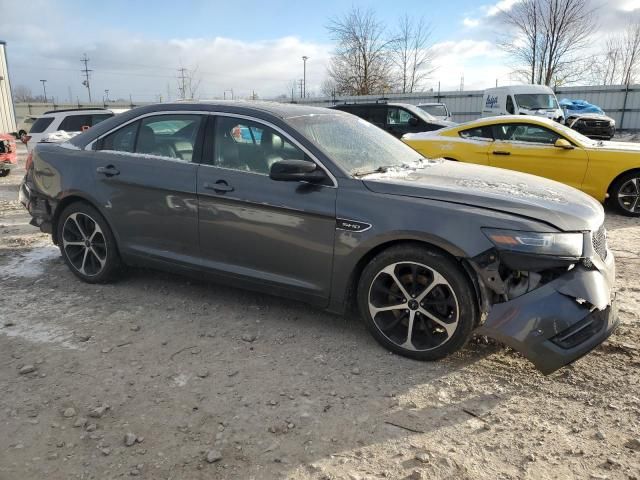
536, 243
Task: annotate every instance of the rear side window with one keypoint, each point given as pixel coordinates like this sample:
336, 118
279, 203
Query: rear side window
41, 124
377, 115
479, 132
74, 123
122, 140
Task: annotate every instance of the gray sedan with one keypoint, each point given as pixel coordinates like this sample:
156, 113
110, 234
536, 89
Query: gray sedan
324, 207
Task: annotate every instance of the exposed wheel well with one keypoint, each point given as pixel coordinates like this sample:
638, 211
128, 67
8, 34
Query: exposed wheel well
449, 158
633, 170
362, 263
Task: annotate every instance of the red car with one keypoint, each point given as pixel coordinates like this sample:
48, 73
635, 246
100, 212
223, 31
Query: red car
8, 156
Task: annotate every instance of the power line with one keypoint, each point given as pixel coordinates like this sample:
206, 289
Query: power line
86, 71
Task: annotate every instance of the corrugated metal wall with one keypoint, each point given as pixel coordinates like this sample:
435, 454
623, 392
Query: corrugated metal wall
7, 115
615, 100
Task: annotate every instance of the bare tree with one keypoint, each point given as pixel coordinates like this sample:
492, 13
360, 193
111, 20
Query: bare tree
360, 64
411, 53
620, 60
22, 93
547, 37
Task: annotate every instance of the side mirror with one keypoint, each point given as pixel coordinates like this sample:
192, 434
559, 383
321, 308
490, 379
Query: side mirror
296, 171
413, 121
562, 143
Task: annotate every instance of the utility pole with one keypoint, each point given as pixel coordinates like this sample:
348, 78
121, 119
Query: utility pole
86, 72
301, 84
304, 76
182, 77
106, 94
44, 88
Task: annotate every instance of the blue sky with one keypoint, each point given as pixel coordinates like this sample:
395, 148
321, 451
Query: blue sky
137, 47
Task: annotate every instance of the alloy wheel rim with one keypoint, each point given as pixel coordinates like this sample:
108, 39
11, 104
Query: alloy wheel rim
629, 195
84, 244
413, 306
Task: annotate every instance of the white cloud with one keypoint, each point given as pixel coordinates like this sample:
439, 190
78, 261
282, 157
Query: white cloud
470, 22
500, 6
478, 61
630, 5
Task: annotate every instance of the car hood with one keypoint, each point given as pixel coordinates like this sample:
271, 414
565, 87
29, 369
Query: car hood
551, 202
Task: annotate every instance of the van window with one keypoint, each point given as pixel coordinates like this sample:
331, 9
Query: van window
510, 108
535, 101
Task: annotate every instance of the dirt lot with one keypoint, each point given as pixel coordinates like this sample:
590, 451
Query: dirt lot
268, 388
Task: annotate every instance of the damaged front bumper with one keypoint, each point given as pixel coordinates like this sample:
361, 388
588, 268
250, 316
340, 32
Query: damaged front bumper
562, 320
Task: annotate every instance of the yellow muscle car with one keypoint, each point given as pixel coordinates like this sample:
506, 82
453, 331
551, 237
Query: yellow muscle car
604, 170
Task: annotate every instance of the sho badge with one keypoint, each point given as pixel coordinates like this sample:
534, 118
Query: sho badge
351, 225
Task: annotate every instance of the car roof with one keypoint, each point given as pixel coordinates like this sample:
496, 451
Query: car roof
521, 89
373, 103
508, 119
255, 108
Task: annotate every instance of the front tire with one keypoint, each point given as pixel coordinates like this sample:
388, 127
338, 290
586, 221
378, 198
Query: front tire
87, 243
625, 194
417, 302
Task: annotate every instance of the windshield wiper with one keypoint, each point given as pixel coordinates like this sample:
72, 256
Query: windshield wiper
362, 173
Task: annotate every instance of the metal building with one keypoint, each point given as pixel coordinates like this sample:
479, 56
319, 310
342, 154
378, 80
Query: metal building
7, 114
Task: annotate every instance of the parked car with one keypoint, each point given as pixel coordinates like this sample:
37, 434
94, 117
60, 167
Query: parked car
24, 126
328, 209
395, 118
604, 170
592, 125
538, 100
8, 156
68, 120
436, 110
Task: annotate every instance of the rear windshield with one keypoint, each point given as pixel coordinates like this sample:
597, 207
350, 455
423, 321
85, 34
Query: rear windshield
41, 124
436, 110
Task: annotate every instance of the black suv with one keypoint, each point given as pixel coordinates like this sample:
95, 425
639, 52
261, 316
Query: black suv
395, 118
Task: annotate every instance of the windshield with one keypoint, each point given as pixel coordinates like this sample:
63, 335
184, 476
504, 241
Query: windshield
436, 110
420, 113
356, 145
537, 101
574, 135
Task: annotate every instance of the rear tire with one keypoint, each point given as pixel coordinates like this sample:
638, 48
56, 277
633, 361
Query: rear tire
625, 194
417, 302
4, 173
87, 243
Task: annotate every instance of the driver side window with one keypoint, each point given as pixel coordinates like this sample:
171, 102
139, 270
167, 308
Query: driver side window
398, 116
249, 146
524, 132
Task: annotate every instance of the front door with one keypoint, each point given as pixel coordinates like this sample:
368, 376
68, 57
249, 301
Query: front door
530, 148
145, 177
277, 234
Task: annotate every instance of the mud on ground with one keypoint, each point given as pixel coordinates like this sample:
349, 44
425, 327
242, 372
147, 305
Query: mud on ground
163, 377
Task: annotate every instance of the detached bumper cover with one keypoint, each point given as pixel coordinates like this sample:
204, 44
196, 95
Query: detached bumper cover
561, 321
38, 207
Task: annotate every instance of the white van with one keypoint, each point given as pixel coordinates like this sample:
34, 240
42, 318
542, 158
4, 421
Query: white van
536, 100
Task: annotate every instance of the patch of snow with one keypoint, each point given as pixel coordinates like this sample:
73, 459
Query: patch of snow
59, 136
522, 190
181, 379
30, 264
39, 332
69, 146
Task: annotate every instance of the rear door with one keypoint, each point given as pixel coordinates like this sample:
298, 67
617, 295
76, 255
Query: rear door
530, 148
145, 178
278, 235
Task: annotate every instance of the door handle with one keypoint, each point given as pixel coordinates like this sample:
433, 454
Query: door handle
108, 171
219, 187
500, 152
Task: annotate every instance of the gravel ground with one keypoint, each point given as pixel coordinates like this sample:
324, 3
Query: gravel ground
164, 377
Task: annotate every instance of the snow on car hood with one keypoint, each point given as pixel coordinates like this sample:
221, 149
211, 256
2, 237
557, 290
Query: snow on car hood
522, 194
618, 146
